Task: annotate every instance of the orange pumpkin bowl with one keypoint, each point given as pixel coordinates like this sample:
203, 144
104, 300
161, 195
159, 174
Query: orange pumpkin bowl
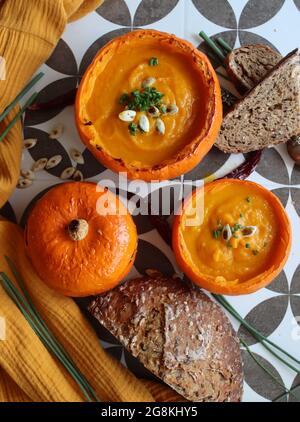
77, 247
238, 243
183, 75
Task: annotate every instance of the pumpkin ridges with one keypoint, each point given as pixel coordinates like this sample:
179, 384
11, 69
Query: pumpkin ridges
191, 154
255, 283
89, 266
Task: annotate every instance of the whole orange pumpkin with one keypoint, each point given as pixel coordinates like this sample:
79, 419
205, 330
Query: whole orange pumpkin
77, 248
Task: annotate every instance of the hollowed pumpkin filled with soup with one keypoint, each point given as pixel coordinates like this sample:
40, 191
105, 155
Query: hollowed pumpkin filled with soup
237, 242
149, 105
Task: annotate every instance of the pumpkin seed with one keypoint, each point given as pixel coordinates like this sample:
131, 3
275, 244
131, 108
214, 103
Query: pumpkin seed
172, 109
127, 115
160, 126
226, 233
67, 173
29, 143
53, 162
77, 176
148, 82
28, 174
163, 109
56, 132
39, 164
24, 183
144, 123
249, 231
77, 156
153, 111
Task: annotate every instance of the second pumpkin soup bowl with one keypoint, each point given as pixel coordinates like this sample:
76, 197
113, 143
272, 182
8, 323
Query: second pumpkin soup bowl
232, 237
149, 105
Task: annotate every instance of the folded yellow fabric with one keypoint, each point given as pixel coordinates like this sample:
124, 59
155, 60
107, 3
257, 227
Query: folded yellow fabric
29, 31
10, 391
109, 379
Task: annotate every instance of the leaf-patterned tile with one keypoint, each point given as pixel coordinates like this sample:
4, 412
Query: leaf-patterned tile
115, 351
62, 59
295, 180
295, 284
220, 13
273, 167
150, 11
295, 306
47, 148
214, 160
265, 317
261, 382
295, 193
95, 47
282, 194
115, 11
149, 257
295, 397
280, 284
228, 36
8, 213
297, 4
247, 37
257, 12
57, 88
91, 167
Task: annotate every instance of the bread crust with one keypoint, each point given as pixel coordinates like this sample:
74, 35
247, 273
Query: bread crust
177, 333
231, 147
272, 58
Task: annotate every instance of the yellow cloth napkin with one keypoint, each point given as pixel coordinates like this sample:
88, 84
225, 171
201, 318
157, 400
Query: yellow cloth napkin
29, 31
26, 360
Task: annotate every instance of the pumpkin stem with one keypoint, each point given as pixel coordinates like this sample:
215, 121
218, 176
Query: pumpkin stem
78, 229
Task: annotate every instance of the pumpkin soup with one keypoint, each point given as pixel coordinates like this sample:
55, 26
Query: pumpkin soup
241, 242
149, 100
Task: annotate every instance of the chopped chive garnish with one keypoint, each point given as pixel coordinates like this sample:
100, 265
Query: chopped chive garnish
153, 61
255, 252
247, 245
248, 199
133, 129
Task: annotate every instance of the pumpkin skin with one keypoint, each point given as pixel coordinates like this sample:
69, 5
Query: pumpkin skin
92, 265
197, 142
273, 222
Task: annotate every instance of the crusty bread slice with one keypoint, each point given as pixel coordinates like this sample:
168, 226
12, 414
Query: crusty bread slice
248, 65
177, 333
269, 114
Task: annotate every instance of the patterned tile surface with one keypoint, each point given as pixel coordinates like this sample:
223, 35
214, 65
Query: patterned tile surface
275, 22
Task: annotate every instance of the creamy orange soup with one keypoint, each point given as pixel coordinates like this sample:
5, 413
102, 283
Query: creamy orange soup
237, 238
176, 77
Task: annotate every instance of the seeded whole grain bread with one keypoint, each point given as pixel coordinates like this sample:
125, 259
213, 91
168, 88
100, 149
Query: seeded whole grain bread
177, 333
268, 115
248, 65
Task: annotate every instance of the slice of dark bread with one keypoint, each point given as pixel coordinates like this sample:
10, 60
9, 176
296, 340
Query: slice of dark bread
177, 333
248, 65
269, 114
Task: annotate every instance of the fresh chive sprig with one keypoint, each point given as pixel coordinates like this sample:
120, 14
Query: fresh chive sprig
18, 116
21, 95
16, 101
23, 301
218, 52
224, 44
267, 371
258, 336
